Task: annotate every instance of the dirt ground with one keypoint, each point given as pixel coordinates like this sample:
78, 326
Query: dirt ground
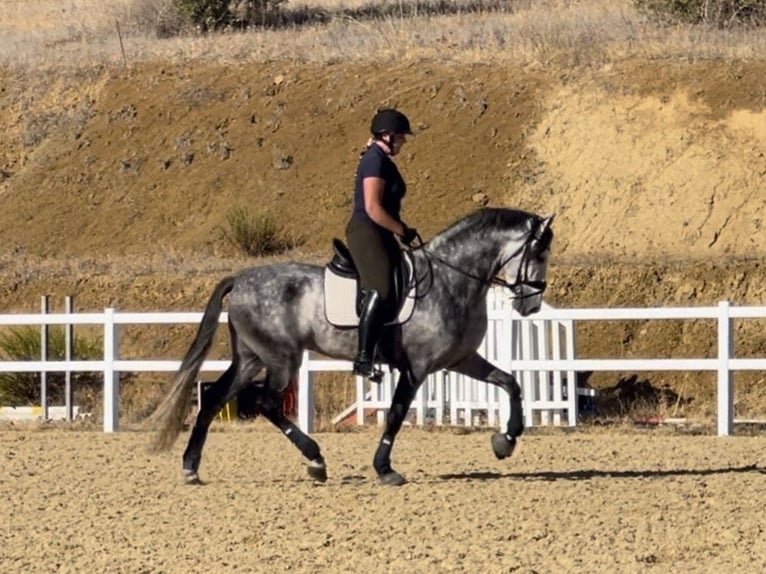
580, 502
114, 183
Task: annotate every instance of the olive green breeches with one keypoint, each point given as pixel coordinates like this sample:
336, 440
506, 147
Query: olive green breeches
376, 254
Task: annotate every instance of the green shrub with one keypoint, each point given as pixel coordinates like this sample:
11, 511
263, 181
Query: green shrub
170, 17
217, 14
23, 389
720, 13
160, 17
256, 235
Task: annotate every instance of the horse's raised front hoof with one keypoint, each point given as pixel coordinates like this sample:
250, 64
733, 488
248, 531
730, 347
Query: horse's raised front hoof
392, 478
192, 478
503, 445
317, 470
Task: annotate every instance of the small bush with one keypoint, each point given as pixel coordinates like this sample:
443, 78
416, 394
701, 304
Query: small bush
171, 17
719, 13
256, 235
23, 389
159, 17
208, 15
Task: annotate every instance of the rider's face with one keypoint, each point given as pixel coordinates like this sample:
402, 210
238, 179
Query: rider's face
396, 142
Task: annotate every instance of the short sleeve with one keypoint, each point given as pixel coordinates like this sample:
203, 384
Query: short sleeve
371, 165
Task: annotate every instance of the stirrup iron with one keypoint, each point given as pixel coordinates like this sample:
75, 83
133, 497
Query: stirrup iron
376, 375
368, 371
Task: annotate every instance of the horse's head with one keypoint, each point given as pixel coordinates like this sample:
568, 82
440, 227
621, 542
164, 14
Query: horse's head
526, 266
499, 246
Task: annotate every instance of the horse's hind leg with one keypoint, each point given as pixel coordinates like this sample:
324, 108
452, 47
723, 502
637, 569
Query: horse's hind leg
478, 367
222, 391
271, 405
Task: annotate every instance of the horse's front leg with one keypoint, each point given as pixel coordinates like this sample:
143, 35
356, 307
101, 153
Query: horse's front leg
403, 395
478, 367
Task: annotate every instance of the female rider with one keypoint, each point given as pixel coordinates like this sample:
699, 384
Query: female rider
371, 231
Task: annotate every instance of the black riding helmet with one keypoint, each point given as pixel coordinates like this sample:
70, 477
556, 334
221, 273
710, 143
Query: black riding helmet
390, 121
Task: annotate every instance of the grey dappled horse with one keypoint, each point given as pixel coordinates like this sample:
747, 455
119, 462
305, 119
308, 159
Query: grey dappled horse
276, 311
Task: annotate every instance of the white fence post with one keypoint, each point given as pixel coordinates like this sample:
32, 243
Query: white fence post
528, 391
44, 344
542, 378
440, 382
111, 376
725, 376
306, 406
572, 396
505, 360
360, 399
554, 329
420, 402
69, 343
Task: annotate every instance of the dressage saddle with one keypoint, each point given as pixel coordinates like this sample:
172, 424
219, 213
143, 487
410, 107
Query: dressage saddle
342, 264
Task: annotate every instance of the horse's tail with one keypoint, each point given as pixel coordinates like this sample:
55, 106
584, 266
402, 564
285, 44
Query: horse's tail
172, 411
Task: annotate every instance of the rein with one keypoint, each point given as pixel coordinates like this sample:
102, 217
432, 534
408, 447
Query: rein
538, 286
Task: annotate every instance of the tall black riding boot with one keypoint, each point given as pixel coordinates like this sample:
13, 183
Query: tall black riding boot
370, 322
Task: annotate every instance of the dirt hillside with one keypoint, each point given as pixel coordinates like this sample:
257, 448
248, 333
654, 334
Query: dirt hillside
114, 182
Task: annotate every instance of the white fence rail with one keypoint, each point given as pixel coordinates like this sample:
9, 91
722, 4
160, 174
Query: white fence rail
533, 348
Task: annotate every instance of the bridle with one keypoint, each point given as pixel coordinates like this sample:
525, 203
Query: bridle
522, 273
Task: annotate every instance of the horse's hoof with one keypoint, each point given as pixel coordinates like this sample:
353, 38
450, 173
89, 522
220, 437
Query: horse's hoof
503, 445
192, 478
392, 478
317, 471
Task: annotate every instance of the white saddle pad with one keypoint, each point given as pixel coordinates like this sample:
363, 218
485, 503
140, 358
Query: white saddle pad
340, 301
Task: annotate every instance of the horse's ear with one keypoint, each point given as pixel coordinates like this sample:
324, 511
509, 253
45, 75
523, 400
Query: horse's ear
545, 224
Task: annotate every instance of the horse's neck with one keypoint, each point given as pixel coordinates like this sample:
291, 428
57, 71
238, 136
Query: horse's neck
472, 256
463, 271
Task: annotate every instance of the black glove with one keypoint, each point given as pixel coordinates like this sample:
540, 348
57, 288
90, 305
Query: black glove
410, 234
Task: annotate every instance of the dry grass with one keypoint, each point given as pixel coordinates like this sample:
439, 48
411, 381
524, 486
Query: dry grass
82, 33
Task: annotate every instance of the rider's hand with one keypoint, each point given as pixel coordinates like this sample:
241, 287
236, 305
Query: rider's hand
409, 235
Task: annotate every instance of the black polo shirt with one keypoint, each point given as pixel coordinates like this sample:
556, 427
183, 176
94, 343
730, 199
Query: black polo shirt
376, 163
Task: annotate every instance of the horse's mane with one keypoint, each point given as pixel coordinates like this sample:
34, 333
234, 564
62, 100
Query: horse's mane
486, 219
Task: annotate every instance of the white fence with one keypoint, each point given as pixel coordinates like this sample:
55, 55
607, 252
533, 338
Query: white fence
541, 353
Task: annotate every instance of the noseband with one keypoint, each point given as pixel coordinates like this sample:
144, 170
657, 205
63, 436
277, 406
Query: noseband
522, 274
